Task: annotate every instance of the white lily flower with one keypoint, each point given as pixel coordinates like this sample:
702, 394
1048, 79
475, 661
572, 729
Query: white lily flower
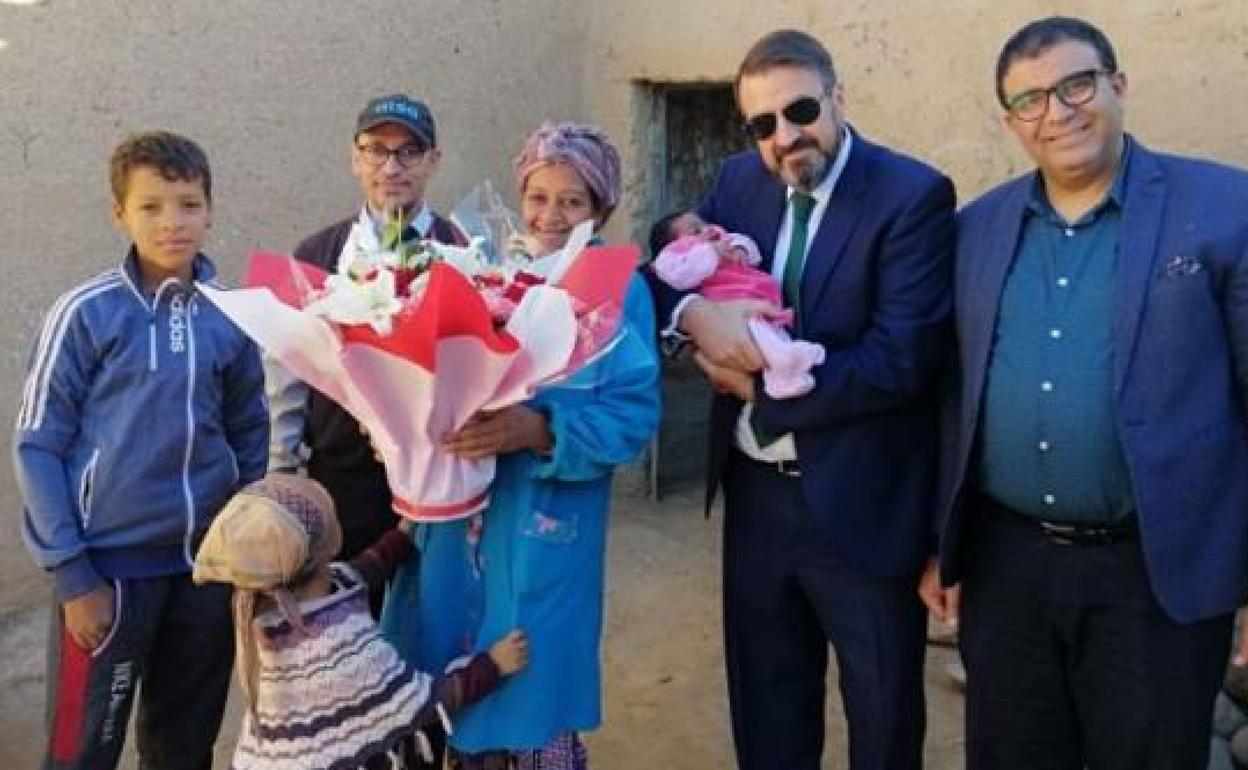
469, 260
349, 301
390, 259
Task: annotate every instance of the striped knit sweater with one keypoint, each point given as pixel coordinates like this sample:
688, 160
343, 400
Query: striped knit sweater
340, 697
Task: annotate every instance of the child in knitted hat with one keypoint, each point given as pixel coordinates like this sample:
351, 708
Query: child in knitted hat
324, 688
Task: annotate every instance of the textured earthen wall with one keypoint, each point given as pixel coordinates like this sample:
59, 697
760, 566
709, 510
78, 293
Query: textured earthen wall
918, 74
270, 89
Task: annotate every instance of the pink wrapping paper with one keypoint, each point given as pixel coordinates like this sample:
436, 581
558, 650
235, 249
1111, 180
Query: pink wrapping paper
443, 361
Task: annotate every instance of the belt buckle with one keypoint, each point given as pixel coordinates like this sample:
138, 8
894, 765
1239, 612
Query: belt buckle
1075, 534
788, 468
1060, 534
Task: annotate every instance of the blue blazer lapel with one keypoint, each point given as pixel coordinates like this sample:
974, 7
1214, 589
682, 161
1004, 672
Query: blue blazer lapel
981, 280
769, 206
1143, 209
839, 219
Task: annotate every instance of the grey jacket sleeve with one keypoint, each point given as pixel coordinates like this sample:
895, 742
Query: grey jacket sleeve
288, 411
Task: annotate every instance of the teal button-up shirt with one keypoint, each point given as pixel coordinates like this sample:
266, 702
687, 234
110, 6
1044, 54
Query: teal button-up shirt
1049, 446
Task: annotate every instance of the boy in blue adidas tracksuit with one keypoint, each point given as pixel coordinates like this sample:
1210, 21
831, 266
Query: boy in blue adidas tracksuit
143, 412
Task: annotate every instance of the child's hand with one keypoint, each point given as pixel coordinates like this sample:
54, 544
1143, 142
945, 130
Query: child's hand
511, 653
89, 618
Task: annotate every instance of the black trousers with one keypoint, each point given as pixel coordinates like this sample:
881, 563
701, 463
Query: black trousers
1070, 660
173, 642
788, 592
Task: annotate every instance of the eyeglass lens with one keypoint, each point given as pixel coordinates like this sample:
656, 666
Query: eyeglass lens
378, 155
1073, 91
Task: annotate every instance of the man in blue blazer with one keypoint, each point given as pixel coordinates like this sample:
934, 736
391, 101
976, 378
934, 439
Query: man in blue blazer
1097, 519
828, 496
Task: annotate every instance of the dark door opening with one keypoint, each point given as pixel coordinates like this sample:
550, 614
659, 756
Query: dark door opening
688, 129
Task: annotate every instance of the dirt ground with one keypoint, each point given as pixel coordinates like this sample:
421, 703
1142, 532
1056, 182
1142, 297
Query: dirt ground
665, 700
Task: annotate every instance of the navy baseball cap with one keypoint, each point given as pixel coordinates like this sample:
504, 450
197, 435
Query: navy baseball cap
399, 109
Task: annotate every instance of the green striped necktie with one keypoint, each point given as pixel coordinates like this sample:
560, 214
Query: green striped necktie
791, 285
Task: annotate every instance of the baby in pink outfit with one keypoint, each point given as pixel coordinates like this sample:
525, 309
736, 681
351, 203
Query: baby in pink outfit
693, 255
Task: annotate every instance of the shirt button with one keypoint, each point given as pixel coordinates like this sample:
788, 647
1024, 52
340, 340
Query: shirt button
1046, 386
1055, 333
1063, 282
1050, 500
1070, 231
1043, 446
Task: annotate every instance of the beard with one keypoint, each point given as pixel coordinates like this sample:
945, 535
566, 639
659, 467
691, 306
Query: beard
799, 169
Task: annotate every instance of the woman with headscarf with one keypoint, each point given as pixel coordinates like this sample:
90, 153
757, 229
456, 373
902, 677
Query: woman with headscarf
535, 559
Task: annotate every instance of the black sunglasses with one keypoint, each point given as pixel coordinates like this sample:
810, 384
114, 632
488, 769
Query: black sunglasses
800, 112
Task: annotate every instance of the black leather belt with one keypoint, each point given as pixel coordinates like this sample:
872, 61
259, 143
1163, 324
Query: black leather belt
1064, 533
1068, 533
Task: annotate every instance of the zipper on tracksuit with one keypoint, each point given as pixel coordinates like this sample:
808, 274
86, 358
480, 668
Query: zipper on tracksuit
181, 340
188, 331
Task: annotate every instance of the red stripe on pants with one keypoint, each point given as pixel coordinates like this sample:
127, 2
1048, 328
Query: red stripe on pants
71, 699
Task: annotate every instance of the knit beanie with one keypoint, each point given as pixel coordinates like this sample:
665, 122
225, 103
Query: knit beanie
273, 535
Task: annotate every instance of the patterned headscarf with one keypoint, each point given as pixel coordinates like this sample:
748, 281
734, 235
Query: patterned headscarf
274, 535
583, 147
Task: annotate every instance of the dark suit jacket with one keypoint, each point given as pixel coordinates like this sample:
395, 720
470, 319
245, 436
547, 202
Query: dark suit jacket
1180, 367
876, 294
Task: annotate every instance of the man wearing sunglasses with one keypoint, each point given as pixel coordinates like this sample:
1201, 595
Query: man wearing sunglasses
394, 153
1098, 515
829, 496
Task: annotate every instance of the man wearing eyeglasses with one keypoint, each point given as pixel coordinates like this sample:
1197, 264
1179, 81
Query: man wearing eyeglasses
1098, 513
394, 153
828, 496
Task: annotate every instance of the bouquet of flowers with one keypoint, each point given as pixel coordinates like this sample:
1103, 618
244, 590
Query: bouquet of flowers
405, 341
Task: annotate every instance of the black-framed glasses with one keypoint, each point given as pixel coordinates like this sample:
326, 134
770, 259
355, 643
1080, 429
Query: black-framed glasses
376, 155
799, 112
1074, 90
